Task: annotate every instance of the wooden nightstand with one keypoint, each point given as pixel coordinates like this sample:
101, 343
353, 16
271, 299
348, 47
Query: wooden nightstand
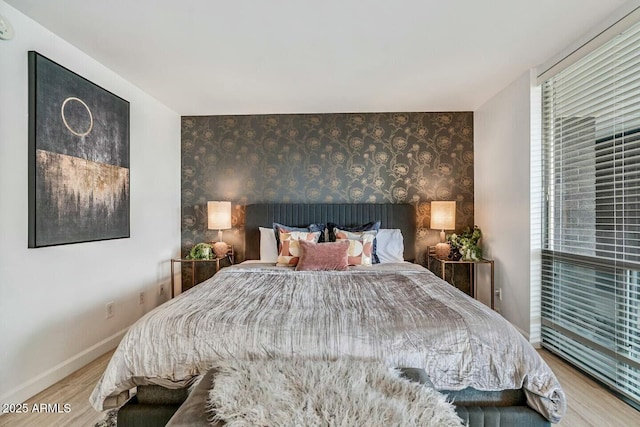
473, 271
229, 258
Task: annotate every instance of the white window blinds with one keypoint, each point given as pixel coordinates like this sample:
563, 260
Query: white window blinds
591, 249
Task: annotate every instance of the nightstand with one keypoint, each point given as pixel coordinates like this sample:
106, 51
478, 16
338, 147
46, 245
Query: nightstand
230, 258
473, 271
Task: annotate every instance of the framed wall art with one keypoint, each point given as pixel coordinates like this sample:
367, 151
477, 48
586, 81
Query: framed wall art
78, 158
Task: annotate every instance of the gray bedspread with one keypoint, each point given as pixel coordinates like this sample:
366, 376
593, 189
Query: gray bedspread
399, 313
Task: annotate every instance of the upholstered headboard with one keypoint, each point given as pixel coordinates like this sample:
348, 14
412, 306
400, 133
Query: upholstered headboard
400, 216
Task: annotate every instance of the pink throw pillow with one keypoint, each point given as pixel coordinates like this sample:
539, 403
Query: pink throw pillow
323, 256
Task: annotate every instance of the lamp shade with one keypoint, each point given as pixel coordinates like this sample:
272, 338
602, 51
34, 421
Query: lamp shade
443, 215
219, 214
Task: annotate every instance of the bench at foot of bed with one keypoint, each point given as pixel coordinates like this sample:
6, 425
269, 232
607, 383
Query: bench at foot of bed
152, 406
156, 406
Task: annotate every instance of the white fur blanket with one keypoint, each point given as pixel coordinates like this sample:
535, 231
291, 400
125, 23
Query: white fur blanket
298, 392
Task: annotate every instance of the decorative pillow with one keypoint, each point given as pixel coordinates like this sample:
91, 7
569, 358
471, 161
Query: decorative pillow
280, 228
290, 246
268, 245
360, 245
389, 245
371, 226
323, 256
321, 228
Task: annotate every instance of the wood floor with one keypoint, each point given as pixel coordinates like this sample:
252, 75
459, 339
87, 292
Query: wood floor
589, 404
74, 390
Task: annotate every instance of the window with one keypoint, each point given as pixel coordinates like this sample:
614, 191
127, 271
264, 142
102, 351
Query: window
591, 247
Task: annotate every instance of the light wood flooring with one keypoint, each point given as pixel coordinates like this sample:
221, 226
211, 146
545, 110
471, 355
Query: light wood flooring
589, 404
74, 390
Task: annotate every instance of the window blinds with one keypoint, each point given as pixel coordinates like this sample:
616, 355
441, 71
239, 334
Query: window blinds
591, 247
624, 18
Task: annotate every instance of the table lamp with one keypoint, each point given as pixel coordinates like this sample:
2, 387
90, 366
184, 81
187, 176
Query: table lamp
219, 214
443, 217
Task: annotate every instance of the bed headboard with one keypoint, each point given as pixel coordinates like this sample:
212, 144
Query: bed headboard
402, 216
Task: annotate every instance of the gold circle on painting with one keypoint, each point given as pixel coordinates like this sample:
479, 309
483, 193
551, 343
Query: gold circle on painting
64, 119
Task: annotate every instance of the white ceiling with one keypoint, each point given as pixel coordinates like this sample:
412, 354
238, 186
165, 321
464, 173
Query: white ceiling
202, 57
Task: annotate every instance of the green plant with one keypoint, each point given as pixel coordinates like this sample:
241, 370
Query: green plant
467, 243
200, 251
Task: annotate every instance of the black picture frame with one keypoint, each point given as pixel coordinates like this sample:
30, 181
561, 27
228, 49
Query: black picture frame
79, 180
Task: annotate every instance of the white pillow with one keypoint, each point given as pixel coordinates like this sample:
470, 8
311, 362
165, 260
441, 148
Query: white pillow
390, 245
268, 245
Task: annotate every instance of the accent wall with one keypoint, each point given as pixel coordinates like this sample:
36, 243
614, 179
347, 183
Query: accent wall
333, 158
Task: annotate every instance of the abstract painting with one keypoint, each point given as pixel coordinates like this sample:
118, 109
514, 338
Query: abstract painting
78, 158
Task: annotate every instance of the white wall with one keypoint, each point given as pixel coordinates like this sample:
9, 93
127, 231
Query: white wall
52, 300
501, 152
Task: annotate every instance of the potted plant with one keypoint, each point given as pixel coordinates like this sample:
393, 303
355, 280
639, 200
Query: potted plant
466, 245
200, 251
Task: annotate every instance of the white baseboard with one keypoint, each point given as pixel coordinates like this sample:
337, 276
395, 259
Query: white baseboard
537, 343
524, 334
35, 385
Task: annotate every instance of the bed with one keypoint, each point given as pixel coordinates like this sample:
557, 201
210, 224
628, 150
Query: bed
399, 313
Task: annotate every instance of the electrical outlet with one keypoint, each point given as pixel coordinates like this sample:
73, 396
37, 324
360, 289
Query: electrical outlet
141, 298
110, 310
161, 291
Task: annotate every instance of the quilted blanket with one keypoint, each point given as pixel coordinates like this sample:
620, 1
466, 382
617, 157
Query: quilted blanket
400, 314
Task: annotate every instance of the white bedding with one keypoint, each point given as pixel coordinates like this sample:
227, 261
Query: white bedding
401, 314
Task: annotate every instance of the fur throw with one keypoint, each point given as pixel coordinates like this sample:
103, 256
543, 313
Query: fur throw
300, 392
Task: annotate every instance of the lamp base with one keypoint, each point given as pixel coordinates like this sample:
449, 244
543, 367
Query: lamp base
442, 250
221, 249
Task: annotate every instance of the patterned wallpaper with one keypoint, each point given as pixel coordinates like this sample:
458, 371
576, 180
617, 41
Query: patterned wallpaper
334, 158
